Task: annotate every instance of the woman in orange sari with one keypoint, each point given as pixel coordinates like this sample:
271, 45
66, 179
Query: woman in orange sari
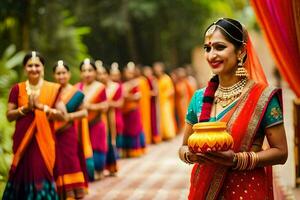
239, 95
69, 176
96, 103
33, 105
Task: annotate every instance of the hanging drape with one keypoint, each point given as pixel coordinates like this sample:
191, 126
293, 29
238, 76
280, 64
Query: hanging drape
280, 22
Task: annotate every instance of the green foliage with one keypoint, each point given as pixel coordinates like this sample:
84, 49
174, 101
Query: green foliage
6, 131
9, 60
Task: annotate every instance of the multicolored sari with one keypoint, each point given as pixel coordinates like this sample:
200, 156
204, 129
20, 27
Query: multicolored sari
113, 93
97, 128
257, 109
166, 102
133, 139
68, 172
31, 173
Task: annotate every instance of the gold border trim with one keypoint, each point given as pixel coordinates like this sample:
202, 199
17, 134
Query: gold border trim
255, 118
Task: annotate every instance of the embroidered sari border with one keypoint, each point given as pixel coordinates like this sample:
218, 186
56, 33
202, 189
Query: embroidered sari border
257, 117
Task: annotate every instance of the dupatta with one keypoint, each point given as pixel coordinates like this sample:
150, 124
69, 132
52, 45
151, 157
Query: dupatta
40, 127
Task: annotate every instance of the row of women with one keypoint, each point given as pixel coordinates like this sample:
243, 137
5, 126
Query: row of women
67, 135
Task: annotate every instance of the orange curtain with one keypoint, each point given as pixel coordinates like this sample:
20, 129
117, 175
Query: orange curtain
280, 23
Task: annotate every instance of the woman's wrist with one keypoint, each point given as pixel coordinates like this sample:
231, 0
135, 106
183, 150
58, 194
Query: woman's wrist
184, 156
245, 160
21, 111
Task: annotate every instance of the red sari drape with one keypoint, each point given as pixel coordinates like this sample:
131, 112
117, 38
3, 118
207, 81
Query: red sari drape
214, 181
281, 26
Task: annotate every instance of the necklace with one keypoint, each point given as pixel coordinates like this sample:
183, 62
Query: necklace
33, 89
226, 95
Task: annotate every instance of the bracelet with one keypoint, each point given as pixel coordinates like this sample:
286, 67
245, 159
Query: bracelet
20, 111
186, 158
245, 160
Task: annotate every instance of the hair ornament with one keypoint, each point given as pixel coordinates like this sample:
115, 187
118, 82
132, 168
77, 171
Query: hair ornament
60, 63
33, 55
99, 65
114, 68
87, 61
130, 65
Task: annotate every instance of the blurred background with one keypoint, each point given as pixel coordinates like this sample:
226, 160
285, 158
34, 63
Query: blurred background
143, 31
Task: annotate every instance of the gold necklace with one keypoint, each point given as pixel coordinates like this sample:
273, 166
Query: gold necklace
33, 89
226, 95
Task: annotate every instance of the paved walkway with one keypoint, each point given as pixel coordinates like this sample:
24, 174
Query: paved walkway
158, 175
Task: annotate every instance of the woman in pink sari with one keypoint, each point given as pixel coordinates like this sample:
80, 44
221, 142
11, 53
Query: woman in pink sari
239, 95
133, 138
115, 102
95, 102
69, 176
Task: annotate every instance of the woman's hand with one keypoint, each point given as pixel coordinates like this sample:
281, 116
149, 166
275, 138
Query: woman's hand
31, 102
222, 157
189, 157
55, 114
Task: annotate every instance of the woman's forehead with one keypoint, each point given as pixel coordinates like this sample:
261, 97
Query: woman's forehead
216, 36
87, 66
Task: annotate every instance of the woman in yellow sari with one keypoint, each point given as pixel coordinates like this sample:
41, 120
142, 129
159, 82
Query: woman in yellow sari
33, 105
239, 95
166, 102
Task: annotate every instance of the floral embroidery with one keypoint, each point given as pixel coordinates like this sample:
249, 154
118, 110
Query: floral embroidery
275, 112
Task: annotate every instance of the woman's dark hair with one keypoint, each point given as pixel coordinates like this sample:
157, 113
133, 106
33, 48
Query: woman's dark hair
232, 30
65, 66
91, 63
29, 55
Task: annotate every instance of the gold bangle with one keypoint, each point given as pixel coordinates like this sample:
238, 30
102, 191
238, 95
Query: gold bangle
20, 111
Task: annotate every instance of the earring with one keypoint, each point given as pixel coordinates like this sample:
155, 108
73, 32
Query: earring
241, 71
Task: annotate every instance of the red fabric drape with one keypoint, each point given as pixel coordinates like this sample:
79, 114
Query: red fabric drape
279, 21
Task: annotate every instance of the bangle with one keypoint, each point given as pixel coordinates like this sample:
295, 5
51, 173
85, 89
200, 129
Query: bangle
245, 160
20, 111
186, 158
46, 108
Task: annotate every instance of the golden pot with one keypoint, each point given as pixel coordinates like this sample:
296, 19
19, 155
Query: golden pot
209, 137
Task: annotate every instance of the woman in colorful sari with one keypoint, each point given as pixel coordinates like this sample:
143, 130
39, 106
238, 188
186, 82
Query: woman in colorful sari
183, 93
69, 177
148, 73
96, 103
33, 105
166, 102
133, 139
239, 95
115, 76
115, 101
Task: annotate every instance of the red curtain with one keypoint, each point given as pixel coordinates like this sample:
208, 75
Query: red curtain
280, 22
